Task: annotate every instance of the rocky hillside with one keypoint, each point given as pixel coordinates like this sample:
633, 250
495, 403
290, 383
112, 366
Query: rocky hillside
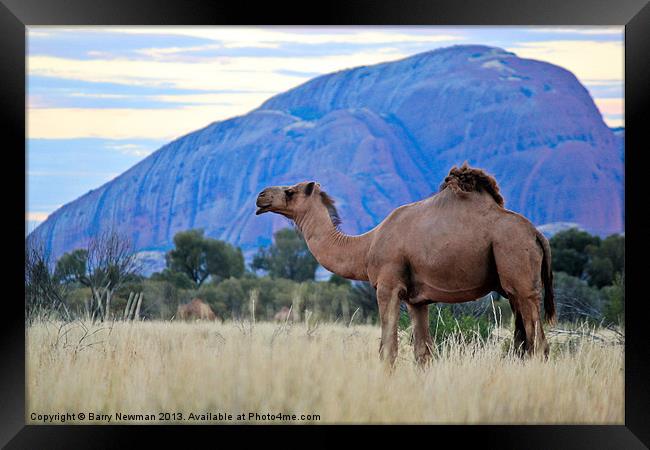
375, 137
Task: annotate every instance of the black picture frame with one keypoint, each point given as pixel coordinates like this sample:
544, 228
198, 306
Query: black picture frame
15, 15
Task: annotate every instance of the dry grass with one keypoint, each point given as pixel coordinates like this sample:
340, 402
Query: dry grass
331, 370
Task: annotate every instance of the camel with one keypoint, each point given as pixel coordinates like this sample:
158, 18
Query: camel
197, 309
455, 246
285, 314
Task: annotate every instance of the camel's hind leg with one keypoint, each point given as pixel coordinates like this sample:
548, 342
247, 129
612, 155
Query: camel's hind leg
535, 339
423, 342
519, 269
520, 332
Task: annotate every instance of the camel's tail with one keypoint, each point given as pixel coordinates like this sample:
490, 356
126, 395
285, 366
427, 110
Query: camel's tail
547, 279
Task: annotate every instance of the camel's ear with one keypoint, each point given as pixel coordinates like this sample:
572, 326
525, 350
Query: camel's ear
309, 188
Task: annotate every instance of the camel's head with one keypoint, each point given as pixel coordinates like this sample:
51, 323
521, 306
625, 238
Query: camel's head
290, 201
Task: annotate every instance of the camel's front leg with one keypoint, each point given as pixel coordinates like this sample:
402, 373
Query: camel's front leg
388, 300
423, 342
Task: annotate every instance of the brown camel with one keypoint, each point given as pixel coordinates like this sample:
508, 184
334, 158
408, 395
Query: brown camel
285, 314
455, 246
197, 309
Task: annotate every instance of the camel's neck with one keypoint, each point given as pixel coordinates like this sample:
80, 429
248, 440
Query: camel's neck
337, 252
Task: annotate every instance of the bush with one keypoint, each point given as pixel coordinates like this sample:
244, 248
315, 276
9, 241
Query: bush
231, 293
230, 298
569, 250
615, 301
328, 301
364, 298
77, 298
581, 255
178, 279
576, 300
160, 300
288, 257
444, 324
466, 321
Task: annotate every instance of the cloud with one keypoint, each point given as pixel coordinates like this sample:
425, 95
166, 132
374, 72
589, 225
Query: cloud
270, 37
130, 149
612, 110
613, 121
216, 74
36, 216
218, 85
209, 73
588, 60
122, 123
71, 173
97, 95
611, 106
92, 101
589, 31
250, 80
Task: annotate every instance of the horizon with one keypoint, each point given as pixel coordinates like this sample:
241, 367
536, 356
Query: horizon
93, 114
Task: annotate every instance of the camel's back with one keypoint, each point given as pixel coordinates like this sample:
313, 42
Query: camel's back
444, 215
443, 248
444, 240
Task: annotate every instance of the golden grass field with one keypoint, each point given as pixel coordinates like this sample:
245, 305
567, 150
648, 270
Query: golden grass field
329, 370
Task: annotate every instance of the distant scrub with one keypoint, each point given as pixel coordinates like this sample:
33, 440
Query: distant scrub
589, 276
589, 285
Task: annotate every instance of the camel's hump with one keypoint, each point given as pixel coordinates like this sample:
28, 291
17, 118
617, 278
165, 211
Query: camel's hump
468, 179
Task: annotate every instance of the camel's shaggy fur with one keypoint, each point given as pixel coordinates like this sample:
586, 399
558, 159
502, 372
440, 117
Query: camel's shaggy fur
465, 179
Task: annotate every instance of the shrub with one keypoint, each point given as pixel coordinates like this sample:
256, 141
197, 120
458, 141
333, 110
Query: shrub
465, 321
77, 298
569, 250
444, 324
576, 300
614, 311
160, 300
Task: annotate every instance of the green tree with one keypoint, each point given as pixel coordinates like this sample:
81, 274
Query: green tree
288, 257
71, 267
199, 257
606, 261
570, 250
600, 271
615, 298
613, 247
177, 279
43, 293
231, 293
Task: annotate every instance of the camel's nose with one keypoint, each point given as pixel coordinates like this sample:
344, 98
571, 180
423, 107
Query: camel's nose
262, 196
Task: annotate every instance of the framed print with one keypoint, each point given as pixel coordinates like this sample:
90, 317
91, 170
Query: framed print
373, 215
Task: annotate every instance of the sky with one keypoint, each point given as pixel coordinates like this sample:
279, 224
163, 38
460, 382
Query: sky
100, 99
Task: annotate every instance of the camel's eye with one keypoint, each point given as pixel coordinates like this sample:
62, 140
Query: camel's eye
289, 193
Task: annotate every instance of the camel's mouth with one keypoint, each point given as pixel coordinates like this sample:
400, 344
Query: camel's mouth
262, 209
